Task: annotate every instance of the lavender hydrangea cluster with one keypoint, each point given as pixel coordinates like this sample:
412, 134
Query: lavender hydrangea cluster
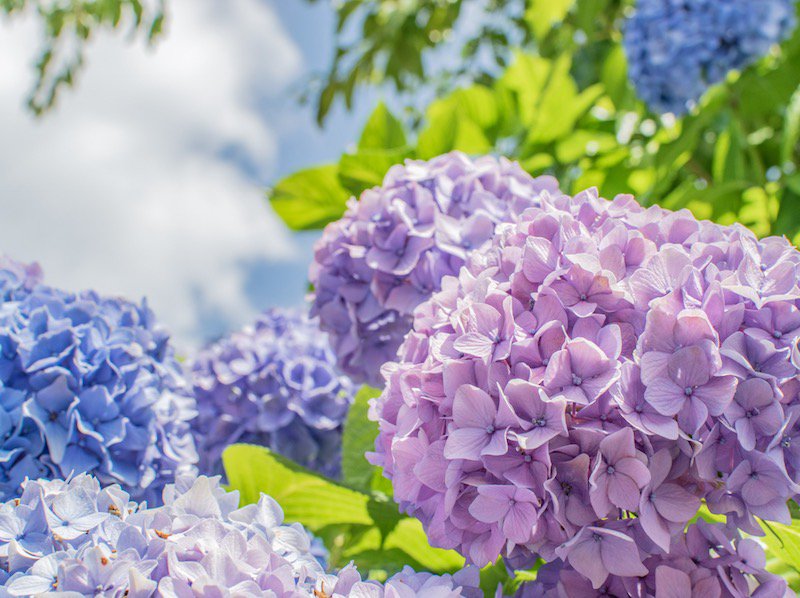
391, 249
17, 279
709, 560
78, 538
90, 384
273, 384
677, 49
585, 383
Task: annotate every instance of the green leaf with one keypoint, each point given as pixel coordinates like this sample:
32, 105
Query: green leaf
787, 222
560, 105
791, 128
305, 496
451, 131
359, 437
382, 131
526, 78
729, 155
309, 199
493, 575
466, 120
367, 168
355, 524
783, 543
614, 75
542, 15
582, 143
410, 537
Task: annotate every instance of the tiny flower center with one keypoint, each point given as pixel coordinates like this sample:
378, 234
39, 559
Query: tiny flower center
753, 412
777, 334
583, 296
786, 442
610, 470
539, 422
597, 537
754, 475
490, 429
527, 458
566, 488
576, 380
688, 391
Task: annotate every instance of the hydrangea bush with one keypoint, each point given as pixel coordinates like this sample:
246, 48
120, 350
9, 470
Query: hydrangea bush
391, 249
274, 384
677, 49
89, 384
586, 382
81, 538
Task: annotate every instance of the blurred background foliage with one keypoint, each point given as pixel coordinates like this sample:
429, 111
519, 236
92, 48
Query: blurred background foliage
68, 26
554, 95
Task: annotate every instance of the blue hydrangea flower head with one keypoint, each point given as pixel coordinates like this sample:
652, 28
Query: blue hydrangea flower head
90, 384
17, 279
83, 539
275, 384
677, 49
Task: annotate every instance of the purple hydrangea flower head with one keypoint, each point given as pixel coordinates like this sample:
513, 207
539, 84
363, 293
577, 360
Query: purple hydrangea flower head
393, 246
274, 384
705, 561
564, 399
677, 49
90, 384
198, 543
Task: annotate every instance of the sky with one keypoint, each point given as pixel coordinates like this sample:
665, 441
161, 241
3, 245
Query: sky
148, 178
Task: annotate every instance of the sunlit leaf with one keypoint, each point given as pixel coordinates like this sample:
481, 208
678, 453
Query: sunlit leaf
310, 198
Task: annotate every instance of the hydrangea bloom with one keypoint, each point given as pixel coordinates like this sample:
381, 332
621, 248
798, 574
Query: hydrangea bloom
17, 279
707, 561
391, 249
676, 49
89, 383
80, 538
591, 378
273, 384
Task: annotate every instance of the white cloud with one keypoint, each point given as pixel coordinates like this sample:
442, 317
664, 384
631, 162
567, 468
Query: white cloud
125, 187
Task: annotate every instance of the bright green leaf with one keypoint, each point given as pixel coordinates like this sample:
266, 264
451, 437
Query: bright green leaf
526, 77
383, 131
305, 496
783, 543
542, 15
410, 537
367, 168
354, 522
359, 437
309, 199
